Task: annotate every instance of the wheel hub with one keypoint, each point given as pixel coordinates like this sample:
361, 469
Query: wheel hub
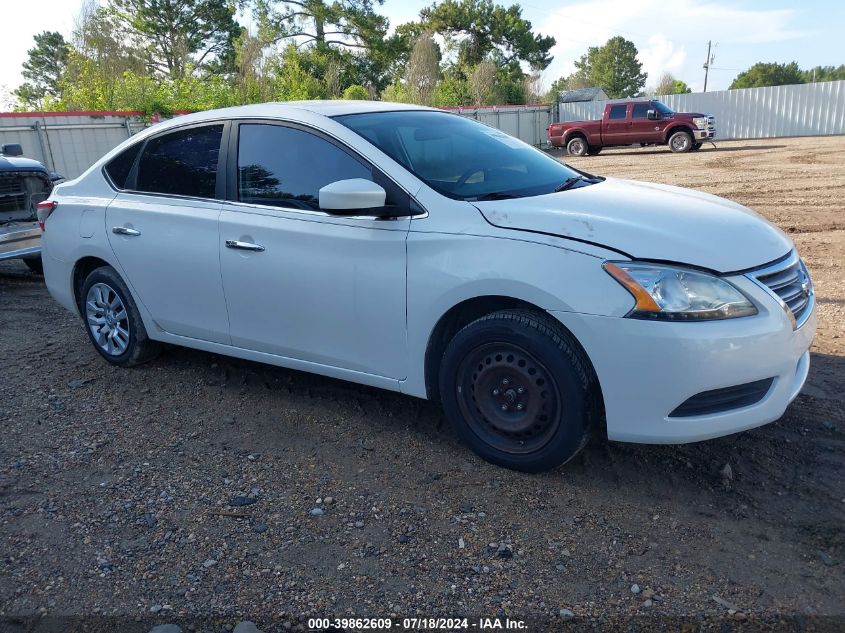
508, 398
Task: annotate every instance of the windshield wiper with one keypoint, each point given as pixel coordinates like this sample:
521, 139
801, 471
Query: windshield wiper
569, 183
494, 195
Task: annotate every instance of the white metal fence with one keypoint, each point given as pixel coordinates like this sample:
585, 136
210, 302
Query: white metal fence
67, 143
815, 109
527, 123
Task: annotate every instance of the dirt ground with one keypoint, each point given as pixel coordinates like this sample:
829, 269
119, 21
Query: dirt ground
116, 485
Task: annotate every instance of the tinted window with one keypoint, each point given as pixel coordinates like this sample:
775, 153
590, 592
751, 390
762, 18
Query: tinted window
458, 157
287, 167
640, 110
118, 168
182, 162
617, 112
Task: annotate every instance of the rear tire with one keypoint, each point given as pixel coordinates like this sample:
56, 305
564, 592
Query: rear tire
112, 320
680, 142
34, 264
518, 390
577, 146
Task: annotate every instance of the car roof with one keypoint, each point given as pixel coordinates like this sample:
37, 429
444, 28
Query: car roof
292, 110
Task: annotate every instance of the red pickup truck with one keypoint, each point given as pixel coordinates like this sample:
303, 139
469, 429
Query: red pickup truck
626, 123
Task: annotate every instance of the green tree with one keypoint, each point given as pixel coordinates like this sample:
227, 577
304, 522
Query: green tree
452, 90
176, 34
614, 67
669, 85
43, 69
291, 80
486, 29
348, 35
356, 91
762, 74
824, 73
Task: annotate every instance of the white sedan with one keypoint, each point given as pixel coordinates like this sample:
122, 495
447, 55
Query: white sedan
418, 251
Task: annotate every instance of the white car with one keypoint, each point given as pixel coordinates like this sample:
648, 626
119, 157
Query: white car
418, 251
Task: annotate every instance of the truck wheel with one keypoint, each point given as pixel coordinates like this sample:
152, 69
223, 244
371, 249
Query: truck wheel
34, 264
680, 142
695, 147
595, 150
577, 146
518, 390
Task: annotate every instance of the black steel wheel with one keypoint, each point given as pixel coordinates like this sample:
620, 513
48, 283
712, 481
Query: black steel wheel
509, 399
519, 390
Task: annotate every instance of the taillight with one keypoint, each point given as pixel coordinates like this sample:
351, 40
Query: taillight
44, 209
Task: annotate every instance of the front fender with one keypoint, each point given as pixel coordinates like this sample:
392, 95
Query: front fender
445, 270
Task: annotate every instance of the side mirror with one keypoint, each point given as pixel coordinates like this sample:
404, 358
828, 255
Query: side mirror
652, 115
355, 194
11, 149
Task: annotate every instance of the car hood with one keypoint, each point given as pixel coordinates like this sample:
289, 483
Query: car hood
15, 163
649, 221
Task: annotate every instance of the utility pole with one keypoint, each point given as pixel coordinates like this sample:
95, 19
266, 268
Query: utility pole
707, 63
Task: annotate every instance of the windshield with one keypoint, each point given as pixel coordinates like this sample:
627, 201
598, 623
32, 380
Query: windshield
662, 107
458, 157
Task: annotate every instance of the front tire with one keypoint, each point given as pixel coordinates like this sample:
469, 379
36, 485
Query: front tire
595, 150
112, 320
577, 146
518, 390
695, 147
680, 142
34, 264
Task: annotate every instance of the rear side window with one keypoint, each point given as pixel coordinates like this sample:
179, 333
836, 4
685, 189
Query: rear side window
118, 168
640, 110
182, 163
286, 167
617, 112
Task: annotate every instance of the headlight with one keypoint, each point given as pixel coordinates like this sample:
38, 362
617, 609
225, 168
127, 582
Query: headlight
678, 294
700, 122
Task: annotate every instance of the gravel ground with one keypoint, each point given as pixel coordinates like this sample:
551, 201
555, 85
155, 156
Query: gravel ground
199, 486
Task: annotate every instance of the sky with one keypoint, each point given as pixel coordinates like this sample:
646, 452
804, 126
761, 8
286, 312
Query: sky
671, 35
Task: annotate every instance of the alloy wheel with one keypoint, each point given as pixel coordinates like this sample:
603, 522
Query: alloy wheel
107, 319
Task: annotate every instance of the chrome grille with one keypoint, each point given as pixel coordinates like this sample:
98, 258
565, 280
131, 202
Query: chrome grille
790, 283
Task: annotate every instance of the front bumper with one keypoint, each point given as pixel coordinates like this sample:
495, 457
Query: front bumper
648, 368
19, 240
704, 135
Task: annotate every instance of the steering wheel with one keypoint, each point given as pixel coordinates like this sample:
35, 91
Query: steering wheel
470, 172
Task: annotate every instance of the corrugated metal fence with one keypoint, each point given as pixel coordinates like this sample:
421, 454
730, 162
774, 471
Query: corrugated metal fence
526, 122
798, 110
67, 143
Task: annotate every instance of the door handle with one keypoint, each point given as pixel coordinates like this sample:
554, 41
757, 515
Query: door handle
123, 230
244, 246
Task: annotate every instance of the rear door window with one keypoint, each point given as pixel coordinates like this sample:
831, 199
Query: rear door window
617, 111
182, 163
118, 168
